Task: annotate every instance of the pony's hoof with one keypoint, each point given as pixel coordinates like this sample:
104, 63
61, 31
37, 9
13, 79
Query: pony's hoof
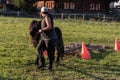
41, 66
36, 63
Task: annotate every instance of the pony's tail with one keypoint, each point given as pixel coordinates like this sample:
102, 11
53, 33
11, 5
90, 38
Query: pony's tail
60, 44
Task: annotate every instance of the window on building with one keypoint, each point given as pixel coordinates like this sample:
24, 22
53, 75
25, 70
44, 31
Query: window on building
40, 4
68, 5
72, 5
98, 6
50, 4
94, 6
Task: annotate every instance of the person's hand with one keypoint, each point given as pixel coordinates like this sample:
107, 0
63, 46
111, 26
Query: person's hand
40, 31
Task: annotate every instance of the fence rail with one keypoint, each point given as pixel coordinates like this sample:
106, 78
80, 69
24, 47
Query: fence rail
83, 17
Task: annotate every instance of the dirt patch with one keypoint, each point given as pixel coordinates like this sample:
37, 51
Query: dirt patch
75, 48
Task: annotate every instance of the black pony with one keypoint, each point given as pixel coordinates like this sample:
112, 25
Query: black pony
35, 37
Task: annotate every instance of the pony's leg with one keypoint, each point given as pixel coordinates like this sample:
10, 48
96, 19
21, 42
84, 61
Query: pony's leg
58, 58
37, 61
59, 45
58, 54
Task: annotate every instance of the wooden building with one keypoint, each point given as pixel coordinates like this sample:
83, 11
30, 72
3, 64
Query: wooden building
76, 6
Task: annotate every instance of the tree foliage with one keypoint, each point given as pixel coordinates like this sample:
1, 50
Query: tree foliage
19, 3
26, 5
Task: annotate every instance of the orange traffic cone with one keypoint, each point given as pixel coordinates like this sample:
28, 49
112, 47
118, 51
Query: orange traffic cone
45, 52
84, 53
117, 45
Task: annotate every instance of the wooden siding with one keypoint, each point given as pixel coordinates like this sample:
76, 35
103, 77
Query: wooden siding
49, 4
77, 6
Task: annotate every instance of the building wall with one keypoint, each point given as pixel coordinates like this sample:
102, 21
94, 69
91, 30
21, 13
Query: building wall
78, 6
50, 4
81, 6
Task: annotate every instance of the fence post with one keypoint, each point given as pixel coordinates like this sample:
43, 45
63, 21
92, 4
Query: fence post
75, 16
98, 15
104, 17
18, 13
62, 15
83, 17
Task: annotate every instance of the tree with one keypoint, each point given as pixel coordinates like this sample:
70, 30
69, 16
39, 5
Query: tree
19, 3
26, 5
29, 6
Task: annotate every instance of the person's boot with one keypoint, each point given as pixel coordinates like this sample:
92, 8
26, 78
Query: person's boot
36, 61
41, 66
42, 63
50, 66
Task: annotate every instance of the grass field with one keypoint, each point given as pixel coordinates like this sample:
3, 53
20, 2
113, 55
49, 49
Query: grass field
17, 53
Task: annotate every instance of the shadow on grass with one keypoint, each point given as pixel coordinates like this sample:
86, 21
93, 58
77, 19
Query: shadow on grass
82, 71
107, 70
89, 66
101, 55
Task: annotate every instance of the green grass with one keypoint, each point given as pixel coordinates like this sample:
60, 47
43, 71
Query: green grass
17, 53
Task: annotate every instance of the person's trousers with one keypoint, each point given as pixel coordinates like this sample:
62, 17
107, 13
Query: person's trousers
50, 47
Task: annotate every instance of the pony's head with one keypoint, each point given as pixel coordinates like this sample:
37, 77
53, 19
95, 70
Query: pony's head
34, 27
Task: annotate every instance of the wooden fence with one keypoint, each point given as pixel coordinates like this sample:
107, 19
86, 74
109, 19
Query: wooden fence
97, 17
102, 17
